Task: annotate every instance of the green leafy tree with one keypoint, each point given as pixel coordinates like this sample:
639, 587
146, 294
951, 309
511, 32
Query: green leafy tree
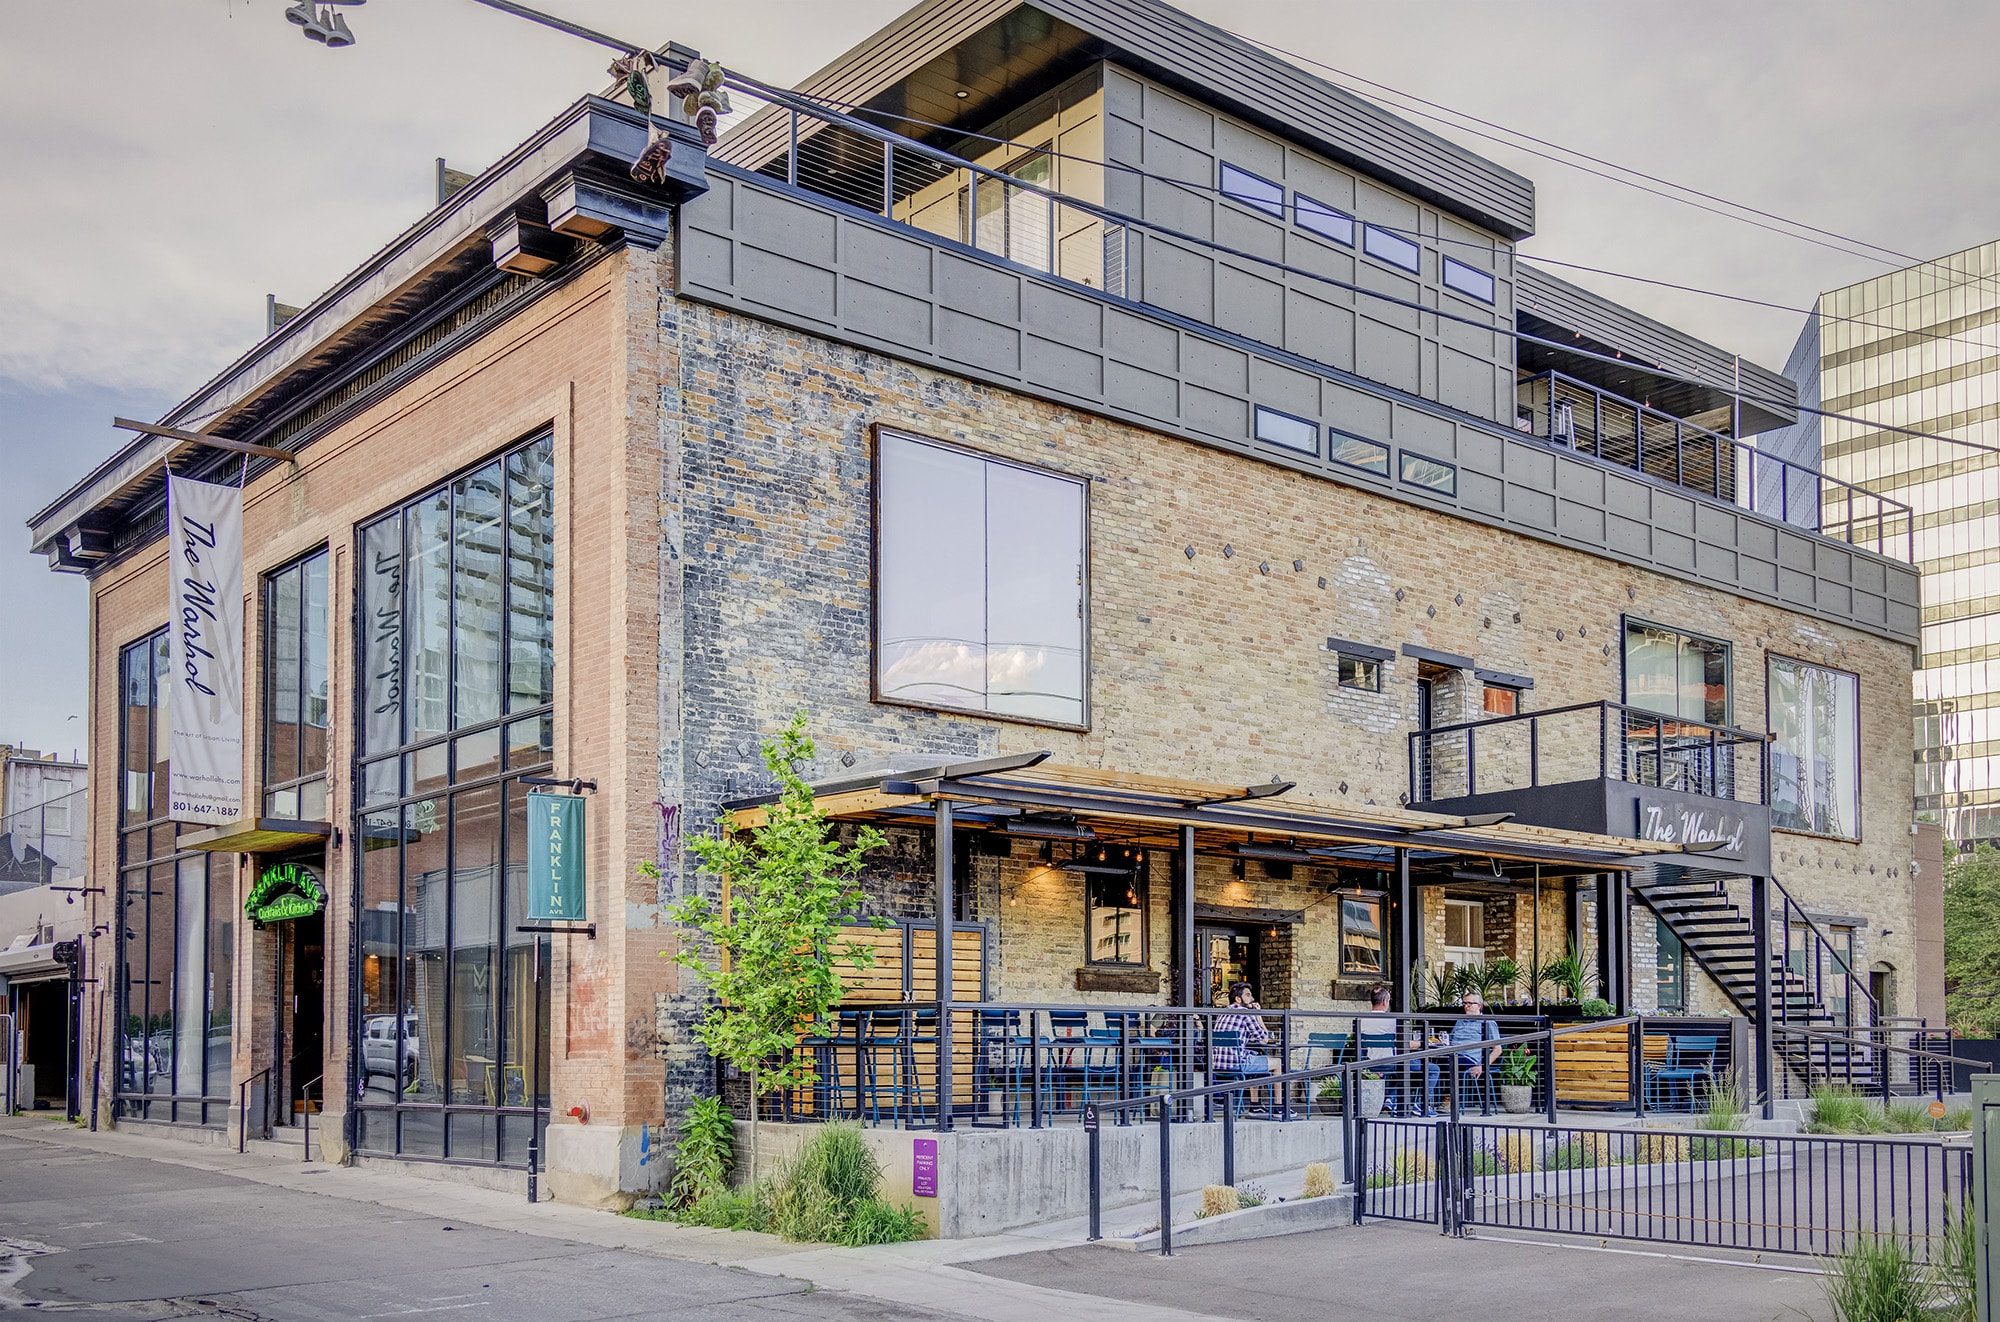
1972, 942
773, 950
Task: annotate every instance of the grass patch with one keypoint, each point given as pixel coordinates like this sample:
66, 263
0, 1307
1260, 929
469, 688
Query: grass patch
829, 1193
1405, 1168
1878, 1280
1840, 1110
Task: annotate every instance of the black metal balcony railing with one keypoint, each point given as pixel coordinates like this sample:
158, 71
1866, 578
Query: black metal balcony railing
1565, 411
1589, 741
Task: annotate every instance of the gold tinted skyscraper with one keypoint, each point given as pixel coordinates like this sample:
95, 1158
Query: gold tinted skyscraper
1920, 349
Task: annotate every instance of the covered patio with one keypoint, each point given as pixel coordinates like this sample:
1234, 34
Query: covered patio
1311, 903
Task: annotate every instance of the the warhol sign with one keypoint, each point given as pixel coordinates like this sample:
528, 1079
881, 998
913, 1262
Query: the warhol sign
205, 686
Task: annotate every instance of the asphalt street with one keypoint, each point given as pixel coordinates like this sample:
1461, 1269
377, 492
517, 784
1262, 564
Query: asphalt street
91, 1234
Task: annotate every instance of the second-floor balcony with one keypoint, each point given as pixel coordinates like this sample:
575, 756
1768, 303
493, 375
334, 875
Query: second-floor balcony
1609, 768
1574, 414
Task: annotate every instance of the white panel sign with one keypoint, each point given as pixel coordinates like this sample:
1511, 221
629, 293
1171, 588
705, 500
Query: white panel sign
205, 690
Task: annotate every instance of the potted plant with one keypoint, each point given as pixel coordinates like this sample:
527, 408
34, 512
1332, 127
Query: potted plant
1370, 1094
1328, 1095
1518, 1068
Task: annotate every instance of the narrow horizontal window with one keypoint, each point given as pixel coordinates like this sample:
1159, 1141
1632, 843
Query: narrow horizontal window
1468, 280
1430, 474
1323, 220
1391, 248
1286, 430
1253, 191
1360, 672
1499, 700
1354, 452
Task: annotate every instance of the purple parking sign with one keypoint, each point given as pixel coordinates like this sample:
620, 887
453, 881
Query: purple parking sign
923, 1173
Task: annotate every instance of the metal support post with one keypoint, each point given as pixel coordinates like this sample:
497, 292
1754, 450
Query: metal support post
1760, 924
1096, 1156
1229, 1139
947, 906
1166, 1178
1405, 934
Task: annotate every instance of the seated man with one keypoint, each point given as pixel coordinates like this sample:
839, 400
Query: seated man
1474, 1064
1243, 1020
1381, 1024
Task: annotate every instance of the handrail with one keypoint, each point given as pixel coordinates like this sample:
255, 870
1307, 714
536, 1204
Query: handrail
1887, 511
243, 1107
1857, 989
305, 1110
1736, 732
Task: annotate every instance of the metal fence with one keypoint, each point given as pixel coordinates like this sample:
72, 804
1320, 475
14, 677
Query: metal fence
1768, 1193
1565, 411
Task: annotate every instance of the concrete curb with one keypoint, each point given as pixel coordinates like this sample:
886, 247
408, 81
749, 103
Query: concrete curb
1285, 1218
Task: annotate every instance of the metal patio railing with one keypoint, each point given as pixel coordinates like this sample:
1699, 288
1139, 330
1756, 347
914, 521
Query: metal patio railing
1587, 741
1565, 411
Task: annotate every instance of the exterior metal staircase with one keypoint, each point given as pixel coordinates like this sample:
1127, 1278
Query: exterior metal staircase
1804, 969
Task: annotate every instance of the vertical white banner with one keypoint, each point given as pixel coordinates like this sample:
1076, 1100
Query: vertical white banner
205, 691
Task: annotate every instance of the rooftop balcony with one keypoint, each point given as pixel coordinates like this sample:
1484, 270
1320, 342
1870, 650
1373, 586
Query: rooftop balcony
1564, 411
1607, 768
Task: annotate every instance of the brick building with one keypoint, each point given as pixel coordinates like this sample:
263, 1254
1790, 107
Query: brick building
1105, 388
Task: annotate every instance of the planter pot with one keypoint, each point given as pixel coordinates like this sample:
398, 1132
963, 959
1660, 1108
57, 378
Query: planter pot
1328, 1103
1369, 1096
1517, 1098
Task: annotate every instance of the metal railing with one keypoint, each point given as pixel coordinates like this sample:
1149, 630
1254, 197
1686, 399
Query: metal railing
1019, 1065
1869, 1062
1565, 411
1812, 969
243, 1107
1767, 1193
1178, 1106
1588, 741
1012, 212
306, 1111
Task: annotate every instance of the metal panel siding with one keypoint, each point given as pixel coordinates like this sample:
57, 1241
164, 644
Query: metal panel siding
1181, 379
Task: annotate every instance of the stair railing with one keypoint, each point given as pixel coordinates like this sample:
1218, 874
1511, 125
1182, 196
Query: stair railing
1818, 949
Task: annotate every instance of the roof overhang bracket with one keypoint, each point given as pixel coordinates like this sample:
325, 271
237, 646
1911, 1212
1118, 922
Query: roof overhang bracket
200, 438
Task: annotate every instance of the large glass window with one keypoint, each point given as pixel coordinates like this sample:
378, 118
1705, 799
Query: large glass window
295, 715
1670, 970
455, 694
1115, 916
1676, 674
175, 942
980, 583
1815, 749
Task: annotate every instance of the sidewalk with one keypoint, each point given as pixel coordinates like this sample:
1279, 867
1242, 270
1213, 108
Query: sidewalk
1368, 1272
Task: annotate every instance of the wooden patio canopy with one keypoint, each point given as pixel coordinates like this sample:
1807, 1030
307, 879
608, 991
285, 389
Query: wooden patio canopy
1024, 795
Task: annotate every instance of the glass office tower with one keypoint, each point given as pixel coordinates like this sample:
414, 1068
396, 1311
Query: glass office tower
1920, 348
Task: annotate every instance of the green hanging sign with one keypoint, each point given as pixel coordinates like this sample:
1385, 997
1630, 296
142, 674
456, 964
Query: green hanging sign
284, 891
555, 858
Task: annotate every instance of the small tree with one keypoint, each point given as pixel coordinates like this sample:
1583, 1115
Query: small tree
774, 947
1972, 942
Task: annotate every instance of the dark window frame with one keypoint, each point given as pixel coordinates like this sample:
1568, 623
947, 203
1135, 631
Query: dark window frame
1380, 449
1344, 971
1300, 202
1141, 887
1274, 209
1860, 799
1390, 239
1257, 414
503, 779
267, 584
1625, 625
1405, 458
1450, 264
876, 431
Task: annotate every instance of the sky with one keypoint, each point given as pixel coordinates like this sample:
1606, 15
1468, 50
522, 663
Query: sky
171, 162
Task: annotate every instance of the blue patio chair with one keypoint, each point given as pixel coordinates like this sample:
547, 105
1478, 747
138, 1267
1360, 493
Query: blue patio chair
1067, 1028
1002, 1059
1322, 1049
1690, 1060
1097, 1064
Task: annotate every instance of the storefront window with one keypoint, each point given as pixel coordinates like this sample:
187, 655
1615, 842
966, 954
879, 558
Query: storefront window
176, 944
1360, 937
295, 693
980, 583
1676, 674
1815, 749
1116, 917
456, 690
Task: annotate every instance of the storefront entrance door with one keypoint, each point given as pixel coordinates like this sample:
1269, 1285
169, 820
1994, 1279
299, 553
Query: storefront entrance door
1224, 957
302, 1014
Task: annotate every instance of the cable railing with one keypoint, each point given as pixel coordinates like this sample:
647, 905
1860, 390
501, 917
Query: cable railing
1564, 411
1588, 741
1815, 985
1869, 1062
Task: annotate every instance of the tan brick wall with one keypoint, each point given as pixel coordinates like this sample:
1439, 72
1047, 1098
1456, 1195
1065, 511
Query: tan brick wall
1213, 667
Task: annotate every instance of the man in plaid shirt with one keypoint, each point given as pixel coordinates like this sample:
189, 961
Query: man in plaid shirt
1241, 1019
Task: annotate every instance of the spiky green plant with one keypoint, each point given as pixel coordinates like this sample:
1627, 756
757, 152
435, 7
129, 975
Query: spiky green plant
1878, 1279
